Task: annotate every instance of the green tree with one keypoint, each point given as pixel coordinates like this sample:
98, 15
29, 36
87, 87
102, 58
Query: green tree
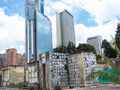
71, 48
61, 49
108, 50
86, 48
98, 58
105, 44
117, 37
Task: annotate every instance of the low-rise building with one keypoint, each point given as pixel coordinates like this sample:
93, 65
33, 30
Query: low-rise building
63, 70
82, 68
33, 72
11, 56
74, 70
53, 70
12, 74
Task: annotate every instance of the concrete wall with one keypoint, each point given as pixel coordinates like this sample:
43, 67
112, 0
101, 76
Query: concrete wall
33, 72
52, 70
12, 75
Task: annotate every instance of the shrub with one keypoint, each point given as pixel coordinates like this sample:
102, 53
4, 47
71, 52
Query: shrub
21, 85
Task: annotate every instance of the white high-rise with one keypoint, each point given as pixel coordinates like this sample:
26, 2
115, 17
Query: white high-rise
96, 42
65, 28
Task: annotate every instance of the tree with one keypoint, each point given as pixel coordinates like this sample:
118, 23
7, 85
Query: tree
117, 36
61, 49
86, 48
105, 44
108, 50
98, 57
71, 48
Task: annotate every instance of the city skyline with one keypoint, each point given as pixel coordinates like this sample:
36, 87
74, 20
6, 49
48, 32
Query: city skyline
91, 18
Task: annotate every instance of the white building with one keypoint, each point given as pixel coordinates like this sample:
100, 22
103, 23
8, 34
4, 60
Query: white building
33, 72
96, 42
65, 28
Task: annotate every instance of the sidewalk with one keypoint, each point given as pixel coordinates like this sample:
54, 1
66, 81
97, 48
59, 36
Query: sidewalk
100, 87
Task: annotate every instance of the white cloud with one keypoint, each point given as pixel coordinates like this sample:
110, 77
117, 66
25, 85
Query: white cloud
106, 31
51, 7
100, 10
12, 30
53, 24
103, 12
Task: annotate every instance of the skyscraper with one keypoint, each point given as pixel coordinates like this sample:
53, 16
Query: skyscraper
96, 42
38, 34
65, 28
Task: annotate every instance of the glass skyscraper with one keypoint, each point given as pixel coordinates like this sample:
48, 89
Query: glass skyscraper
38, 35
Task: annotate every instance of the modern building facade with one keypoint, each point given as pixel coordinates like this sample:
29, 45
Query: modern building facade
65, 28
38, 35
96, 42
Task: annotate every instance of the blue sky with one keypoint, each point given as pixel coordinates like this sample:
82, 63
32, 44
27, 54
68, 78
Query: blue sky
91, 18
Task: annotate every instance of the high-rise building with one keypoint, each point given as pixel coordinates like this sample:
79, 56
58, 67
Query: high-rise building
38, 30
65, 28
96, 42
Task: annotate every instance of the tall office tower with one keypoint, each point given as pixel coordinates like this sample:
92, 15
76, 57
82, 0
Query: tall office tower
65, 28
38, 30
11, 57
96, 42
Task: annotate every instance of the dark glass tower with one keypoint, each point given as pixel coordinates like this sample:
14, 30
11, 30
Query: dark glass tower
38, 34
42, 6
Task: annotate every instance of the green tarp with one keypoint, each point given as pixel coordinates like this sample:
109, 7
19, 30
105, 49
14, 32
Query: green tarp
107, 76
